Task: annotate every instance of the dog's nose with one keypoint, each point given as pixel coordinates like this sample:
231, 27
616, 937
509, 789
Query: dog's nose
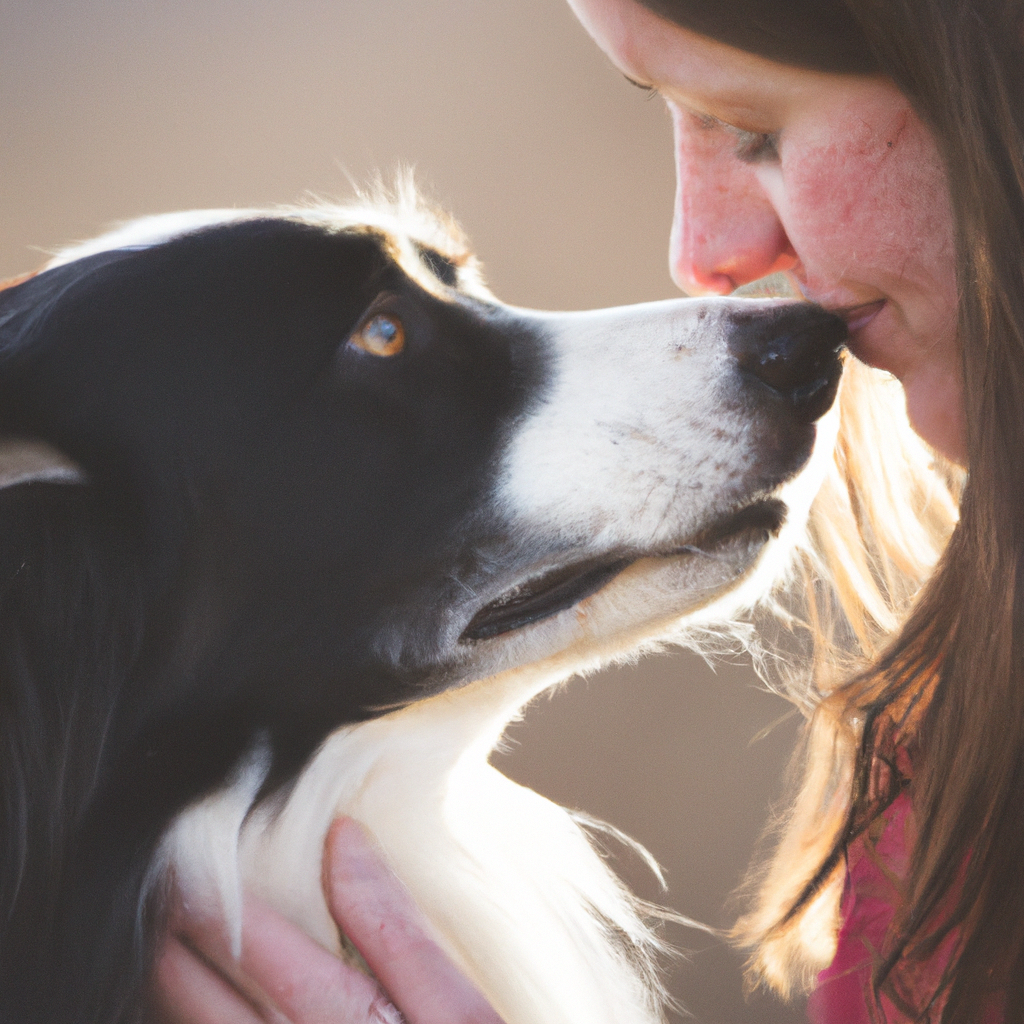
794, 352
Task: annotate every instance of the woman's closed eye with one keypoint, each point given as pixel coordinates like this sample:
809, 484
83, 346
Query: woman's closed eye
756, 147
751, 147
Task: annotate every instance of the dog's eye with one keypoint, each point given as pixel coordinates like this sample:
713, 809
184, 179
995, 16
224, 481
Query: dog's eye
381, 335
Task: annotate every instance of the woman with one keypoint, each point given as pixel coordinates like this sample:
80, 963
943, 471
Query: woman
874, 151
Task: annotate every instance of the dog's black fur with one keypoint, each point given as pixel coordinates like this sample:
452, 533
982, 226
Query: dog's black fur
268, 523
205, 389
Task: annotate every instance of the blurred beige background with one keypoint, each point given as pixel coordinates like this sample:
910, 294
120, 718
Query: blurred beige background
561, 173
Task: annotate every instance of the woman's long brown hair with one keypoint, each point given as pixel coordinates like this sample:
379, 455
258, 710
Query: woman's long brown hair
950, 686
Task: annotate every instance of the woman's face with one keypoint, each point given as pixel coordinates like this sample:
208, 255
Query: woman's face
830, 178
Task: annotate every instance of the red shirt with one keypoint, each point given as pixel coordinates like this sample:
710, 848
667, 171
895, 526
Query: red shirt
876, 865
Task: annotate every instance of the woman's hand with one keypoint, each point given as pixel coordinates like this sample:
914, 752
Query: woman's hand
285, 977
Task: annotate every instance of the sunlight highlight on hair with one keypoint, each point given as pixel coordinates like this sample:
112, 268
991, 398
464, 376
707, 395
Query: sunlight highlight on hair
877, 530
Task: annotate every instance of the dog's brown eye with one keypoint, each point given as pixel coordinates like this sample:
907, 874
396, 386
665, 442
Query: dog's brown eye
381, 335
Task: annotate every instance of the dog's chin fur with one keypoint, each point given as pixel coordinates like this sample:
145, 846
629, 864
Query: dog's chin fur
512, 884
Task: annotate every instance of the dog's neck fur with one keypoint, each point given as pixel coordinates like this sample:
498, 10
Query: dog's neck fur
493, 865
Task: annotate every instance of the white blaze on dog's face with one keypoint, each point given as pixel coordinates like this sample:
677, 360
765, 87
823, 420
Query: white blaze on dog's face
658, 475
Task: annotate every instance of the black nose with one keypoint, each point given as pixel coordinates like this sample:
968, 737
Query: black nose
794, 351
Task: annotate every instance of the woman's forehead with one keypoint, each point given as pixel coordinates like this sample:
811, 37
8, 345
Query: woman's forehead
692, 69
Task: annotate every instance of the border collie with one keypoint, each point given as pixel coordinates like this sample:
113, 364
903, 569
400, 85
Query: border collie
296, 517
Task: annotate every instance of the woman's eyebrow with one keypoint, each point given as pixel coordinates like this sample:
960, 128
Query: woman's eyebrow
652, 90
727, 102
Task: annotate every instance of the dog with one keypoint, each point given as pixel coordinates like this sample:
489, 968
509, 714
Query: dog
296, 517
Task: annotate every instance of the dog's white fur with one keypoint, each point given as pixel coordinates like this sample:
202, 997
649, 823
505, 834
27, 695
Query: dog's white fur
510, 882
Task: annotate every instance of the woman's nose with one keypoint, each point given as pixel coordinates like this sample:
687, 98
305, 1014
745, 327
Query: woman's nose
725, 230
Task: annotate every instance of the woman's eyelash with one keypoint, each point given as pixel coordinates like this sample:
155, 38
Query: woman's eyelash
648, 89
751, 147
756, 147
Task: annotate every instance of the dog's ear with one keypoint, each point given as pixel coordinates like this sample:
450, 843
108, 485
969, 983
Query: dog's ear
25, 460
13, 282
34, 496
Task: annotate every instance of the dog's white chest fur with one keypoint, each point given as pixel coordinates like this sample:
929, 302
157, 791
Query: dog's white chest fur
513, 888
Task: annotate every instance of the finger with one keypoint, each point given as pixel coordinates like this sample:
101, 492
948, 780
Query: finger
301, 978
377, 913
185, 990
281, 977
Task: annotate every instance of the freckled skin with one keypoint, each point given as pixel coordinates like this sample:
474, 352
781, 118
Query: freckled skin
715, 247
854, 207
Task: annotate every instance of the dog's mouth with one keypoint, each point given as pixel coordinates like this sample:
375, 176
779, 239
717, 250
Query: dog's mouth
558, 589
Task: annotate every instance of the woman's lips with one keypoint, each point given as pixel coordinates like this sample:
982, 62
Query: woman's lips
857, 317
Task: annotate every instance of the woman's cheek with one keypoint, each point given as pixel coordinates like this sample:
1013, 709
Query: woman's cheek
868, 204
